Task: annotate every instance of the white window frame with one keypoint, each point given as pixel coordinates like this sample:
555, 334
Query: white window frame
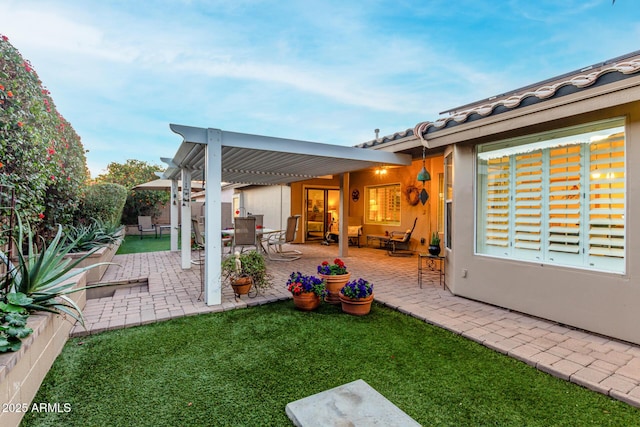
556, 197
382, 219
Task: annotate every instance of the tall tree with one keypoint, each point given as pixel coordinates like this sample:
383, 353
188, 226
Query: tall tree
139, 202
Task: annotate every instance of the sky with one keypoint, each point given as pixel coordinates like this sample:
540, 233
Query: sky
332, 71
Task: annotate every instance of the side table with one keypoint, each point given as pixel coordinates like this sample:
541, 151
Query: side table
431, 263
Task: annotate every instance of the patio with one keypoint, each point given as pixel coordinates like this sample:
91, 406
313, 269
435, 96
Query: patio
598, 363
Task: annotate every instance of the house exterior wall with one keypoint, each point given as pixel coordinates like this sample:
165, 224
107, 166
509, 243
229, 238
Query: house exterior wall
273, 201
601, 302
406, 176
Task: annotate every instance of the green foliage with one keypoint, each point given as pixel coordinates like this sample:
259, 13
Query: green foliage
45, 275
13, 321
435, 239
40, 153
94, 235
242, 367
253, 265
139, 203
104, 202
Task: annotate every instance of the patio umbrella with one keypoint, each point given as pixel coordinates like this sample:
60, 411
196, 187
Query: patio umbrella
165, 184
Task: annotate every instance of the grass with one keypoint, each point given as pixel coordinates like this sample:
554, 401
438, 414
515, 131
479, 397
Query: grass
242, 367
133, 244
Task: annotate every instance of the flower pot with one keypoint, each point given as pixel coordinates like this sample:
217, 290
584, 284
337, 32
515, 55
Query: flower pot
434, 250
334, 284
356, 306
306, 301
242, 285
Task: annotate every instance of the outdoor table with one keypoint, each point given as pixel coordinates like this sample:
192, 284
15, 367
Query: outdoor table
260, 233
432, 263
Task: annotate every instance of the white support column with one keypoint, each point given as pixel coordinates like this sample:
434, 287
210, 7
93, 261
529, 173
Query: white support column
343, 240
213, 219
185, 227
175, 213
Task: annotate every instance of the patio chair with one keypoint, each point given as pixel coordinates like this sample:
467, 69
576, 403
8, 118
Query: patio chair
244, 233
399, 243
275, 241
145, 225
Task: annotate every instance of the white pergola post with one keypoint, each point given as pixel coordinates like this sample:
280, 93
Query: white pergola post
185, 213
213, 219
343, 232
175, 213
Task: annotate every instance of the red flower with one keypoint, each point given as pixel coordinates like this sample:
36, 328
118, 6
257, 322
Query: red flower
41, 215
5, 38
51, 150
1, 87
20, 124
9, 94
53, 178
325, 262
1, 164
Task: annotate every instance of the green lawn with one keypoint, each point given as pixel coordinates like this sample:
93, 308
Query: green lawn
241, 367
133, 244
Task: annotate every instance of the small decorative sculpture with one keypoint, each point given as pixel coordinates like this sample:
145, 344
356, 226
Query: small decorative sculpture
238, 264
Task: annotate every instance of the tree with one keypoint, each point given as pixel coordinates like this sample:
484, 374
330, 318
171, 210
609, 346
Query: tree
139, 202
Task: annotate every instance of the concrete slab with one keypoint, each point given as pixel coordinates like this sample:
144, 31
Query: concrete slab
353, 404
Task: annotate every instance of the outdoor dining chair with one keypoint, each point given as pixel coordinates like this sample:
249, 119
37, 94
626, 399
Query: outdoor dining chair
275, 241
244, 233
145, 225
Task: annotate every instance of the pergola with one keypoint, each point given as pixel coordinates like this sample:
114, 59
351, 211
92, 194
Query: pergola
217, 156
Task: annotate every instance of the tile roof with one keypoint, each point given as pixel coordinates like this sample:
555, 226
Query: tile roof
623, 67
396, 136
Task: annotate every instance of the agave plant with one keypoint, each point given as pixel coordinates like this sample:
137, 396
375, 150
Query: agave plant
43, 275
97, 233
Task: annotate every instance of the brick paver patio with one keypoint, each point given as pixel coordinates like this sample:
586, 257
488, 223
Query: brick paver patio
599, 363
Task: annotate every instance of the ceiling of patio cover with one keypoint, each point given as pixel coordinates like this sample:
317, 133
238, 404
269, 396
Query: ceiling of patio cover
263, 160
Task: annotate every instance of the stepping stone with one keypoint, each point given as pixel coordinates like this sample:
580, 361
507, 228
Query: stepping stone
352, 404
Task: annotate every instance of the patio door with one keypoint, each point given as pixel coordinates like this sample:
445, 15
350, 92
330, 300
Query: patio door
322, 212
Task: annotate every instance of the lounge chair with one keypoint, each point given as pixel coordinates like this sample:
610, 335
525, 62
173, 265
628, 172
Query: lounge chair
399, 243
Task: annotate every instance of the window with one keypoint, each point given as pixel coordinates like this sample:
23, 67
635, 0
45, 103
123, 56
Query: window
556, 197
448, 199
382, 204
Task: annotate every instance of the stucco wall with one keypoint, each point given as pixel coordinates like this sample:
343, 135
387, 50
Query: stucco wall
604, 303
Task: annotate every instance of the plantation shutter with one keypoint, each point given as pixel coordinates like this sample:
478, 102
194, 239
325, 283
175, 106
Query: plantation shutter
528, 205
498, 205
607, 204
564, 204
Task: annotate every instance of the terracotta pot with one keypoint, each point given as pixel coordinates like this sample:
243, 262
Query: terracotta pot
356, 306
334, 284
242, 285
306, 301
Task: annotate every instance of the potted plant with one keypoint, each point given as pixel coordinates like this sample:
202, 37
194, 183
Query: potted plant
356, 297
247, 273
335, 276
306, 290
434, 245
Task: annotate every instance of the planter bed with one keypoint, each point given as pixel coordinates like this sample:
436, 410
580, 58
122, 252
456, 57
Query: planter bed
22, 372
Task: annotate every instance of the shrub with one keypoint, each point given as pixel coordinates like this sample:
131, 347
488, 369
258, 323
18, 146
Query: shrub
130, 174
103, 202
41, 155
